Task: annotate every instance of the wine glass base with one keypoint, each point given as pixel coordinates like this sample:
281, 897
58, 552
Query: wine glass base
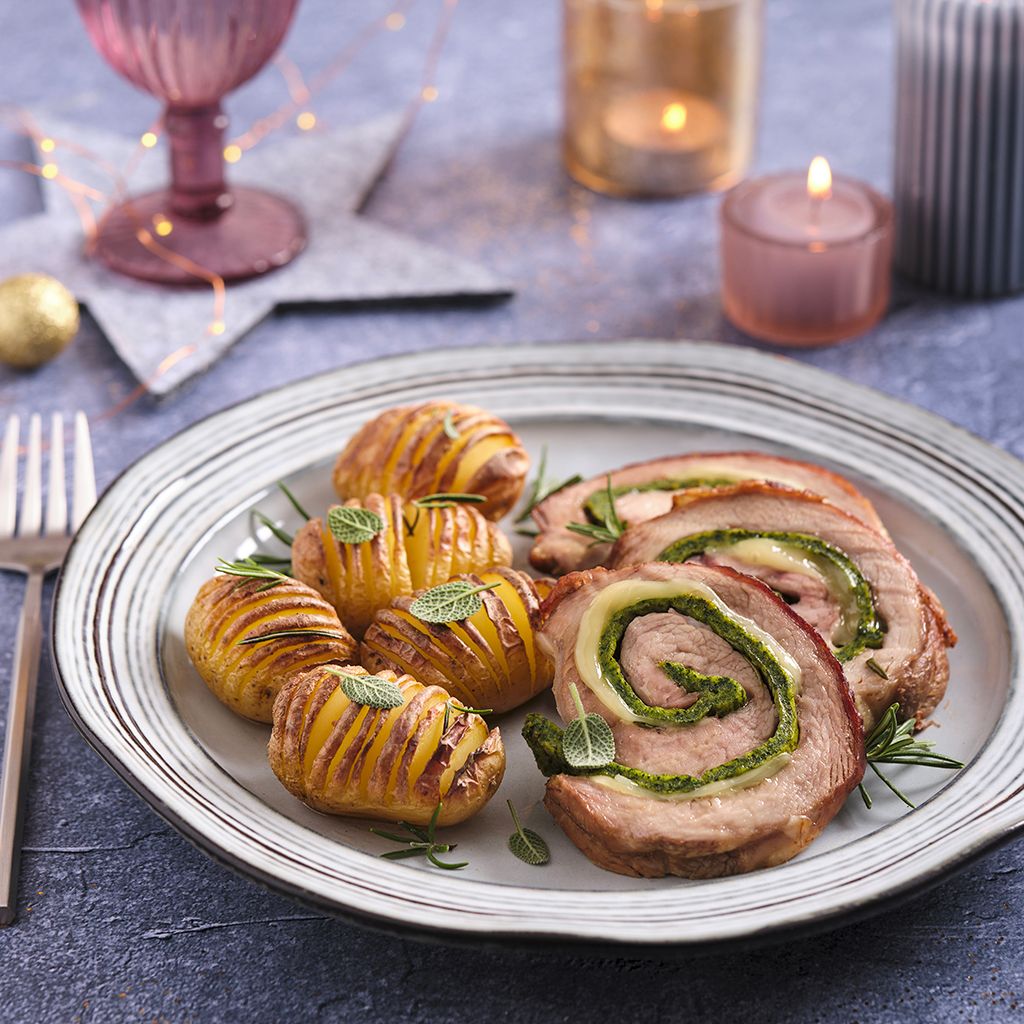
258, 233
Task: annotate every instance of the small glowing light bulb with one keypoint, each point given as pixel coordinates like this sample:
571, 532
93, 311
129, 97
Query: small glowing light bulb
162, 225
148, 139
217, 327
232, 153
673, 117
306, 120
429, 93
49, 171
47, 145
819, 179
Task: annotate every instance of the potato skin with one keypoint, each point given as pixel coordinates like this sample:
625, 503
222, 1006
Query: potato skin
247, 678
499, 667
360, 579
395, 765
407, 451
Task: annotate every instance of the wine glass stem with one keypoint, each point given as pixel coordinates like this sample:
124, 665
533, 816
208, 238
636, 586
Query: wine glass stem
196, 135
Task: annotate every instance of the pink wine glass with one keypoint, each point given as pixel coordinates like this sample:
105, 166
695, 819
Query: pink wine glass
190, 53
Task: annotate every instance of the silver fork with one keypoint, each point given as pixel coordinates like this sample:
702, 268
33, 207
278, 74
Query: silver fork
35, 547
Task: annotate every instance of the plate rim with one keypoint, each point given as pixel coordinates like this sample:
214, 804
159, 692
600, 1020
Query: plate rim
672, 352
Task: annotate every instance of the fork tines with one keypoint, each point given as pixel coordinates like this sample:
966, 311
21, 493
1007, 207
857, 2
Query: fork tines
30, 522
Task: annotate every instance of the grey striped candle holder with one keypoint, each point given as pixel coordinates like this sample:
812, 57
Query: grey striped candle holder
959, 175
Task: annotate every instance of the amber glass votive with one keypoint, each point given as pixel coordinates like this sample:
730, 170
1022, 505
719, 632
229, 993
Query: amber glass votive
806, 258
660, 95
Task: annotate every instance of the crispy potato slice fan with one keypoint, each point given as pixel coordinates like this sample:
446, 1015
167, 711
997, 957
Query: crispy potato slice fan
394, 764
417, 548
438, 446
490, 660
247, 677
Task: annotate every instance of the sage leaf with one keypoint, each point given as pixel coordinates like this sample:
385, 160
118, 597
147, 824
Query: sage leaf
352, 525
526, 844
449, 602
371, 691
587, 741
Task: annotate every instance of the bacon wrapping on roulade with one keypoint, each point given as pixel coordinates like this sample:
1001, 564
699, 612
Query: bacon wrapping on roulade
646, 490
736, 736
840, 575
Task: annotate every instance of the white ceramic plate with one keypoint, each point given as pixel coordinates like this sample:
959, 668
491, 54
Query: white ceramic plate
952, 502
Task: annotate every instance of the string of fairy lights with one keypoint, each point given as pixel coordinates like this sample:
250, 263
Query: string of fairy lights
297, 110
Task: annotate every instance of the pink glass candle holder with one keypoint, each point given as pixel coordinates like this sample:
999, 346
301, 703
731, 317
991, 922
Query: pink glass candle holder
806, 259
190, 53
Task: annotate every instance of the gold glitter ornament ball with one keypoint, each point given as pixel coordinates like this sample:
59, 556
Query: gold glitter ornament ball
38, 319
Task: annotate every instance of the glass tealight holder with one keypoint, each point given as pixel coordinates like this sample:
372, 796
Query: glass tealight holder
660, 95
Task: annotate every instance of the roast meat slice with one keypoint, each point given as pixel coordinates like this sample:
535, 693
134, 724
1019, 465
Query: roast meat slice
638, 832
559, 550
909, 667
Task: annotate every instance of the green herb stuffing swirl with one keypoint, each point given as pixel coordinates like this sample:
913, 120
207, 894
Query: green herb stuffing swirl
870, 632
596, 506
545, 738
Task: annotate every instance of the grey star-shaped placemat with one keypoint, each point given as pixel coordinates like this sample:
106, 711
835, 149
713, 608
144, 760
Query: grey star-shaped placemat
348, 258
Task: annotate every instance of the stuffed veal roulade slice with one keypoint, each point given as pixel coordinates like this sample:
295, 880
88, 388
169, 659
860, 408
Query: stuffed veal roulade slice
645, 490
844, 578
736, 739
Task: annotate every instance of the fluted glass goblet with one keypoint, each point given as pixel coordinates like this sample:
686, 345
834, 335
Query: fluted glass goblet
190, 54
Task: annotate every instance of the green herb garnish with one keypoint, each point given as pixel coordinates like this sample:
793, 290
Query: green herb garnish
352, 525
587, 741
892, 742
451, 431
451, 704
542, 487
876, 668
284, 634
526, 844
294, 501
249, 569
449, 500
370, 691
284, 537
420, 843
450, 602
609, 529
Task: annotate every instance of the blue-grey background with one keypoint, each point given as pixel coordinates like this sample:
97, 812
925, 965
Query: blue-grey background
121, 918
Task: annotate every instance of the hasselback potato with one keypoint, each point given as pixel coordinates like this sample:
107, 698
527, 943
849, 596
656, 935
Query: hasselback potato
247, 677
416, 548
489, 660
396, 764
418, 450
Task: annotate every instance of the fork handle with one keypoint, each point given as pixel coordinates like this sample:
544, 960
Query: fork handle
18, 741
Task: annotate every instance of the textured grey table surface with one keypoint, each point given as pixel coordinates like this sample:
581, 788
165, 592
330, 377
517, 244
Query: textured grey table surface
122, 919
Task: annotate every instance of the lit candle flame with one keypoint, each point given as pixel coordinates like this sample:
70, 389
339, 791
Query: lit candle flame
673, 117
819, 179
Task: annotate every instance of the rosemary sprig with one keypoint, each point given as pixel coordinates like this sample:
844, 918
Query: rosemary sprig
892, 742
294, 501
423, 843
611, 527
265, 558
542, 487
876, 668
448, 499
283, 536
284, 634
249, 569
451, 704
